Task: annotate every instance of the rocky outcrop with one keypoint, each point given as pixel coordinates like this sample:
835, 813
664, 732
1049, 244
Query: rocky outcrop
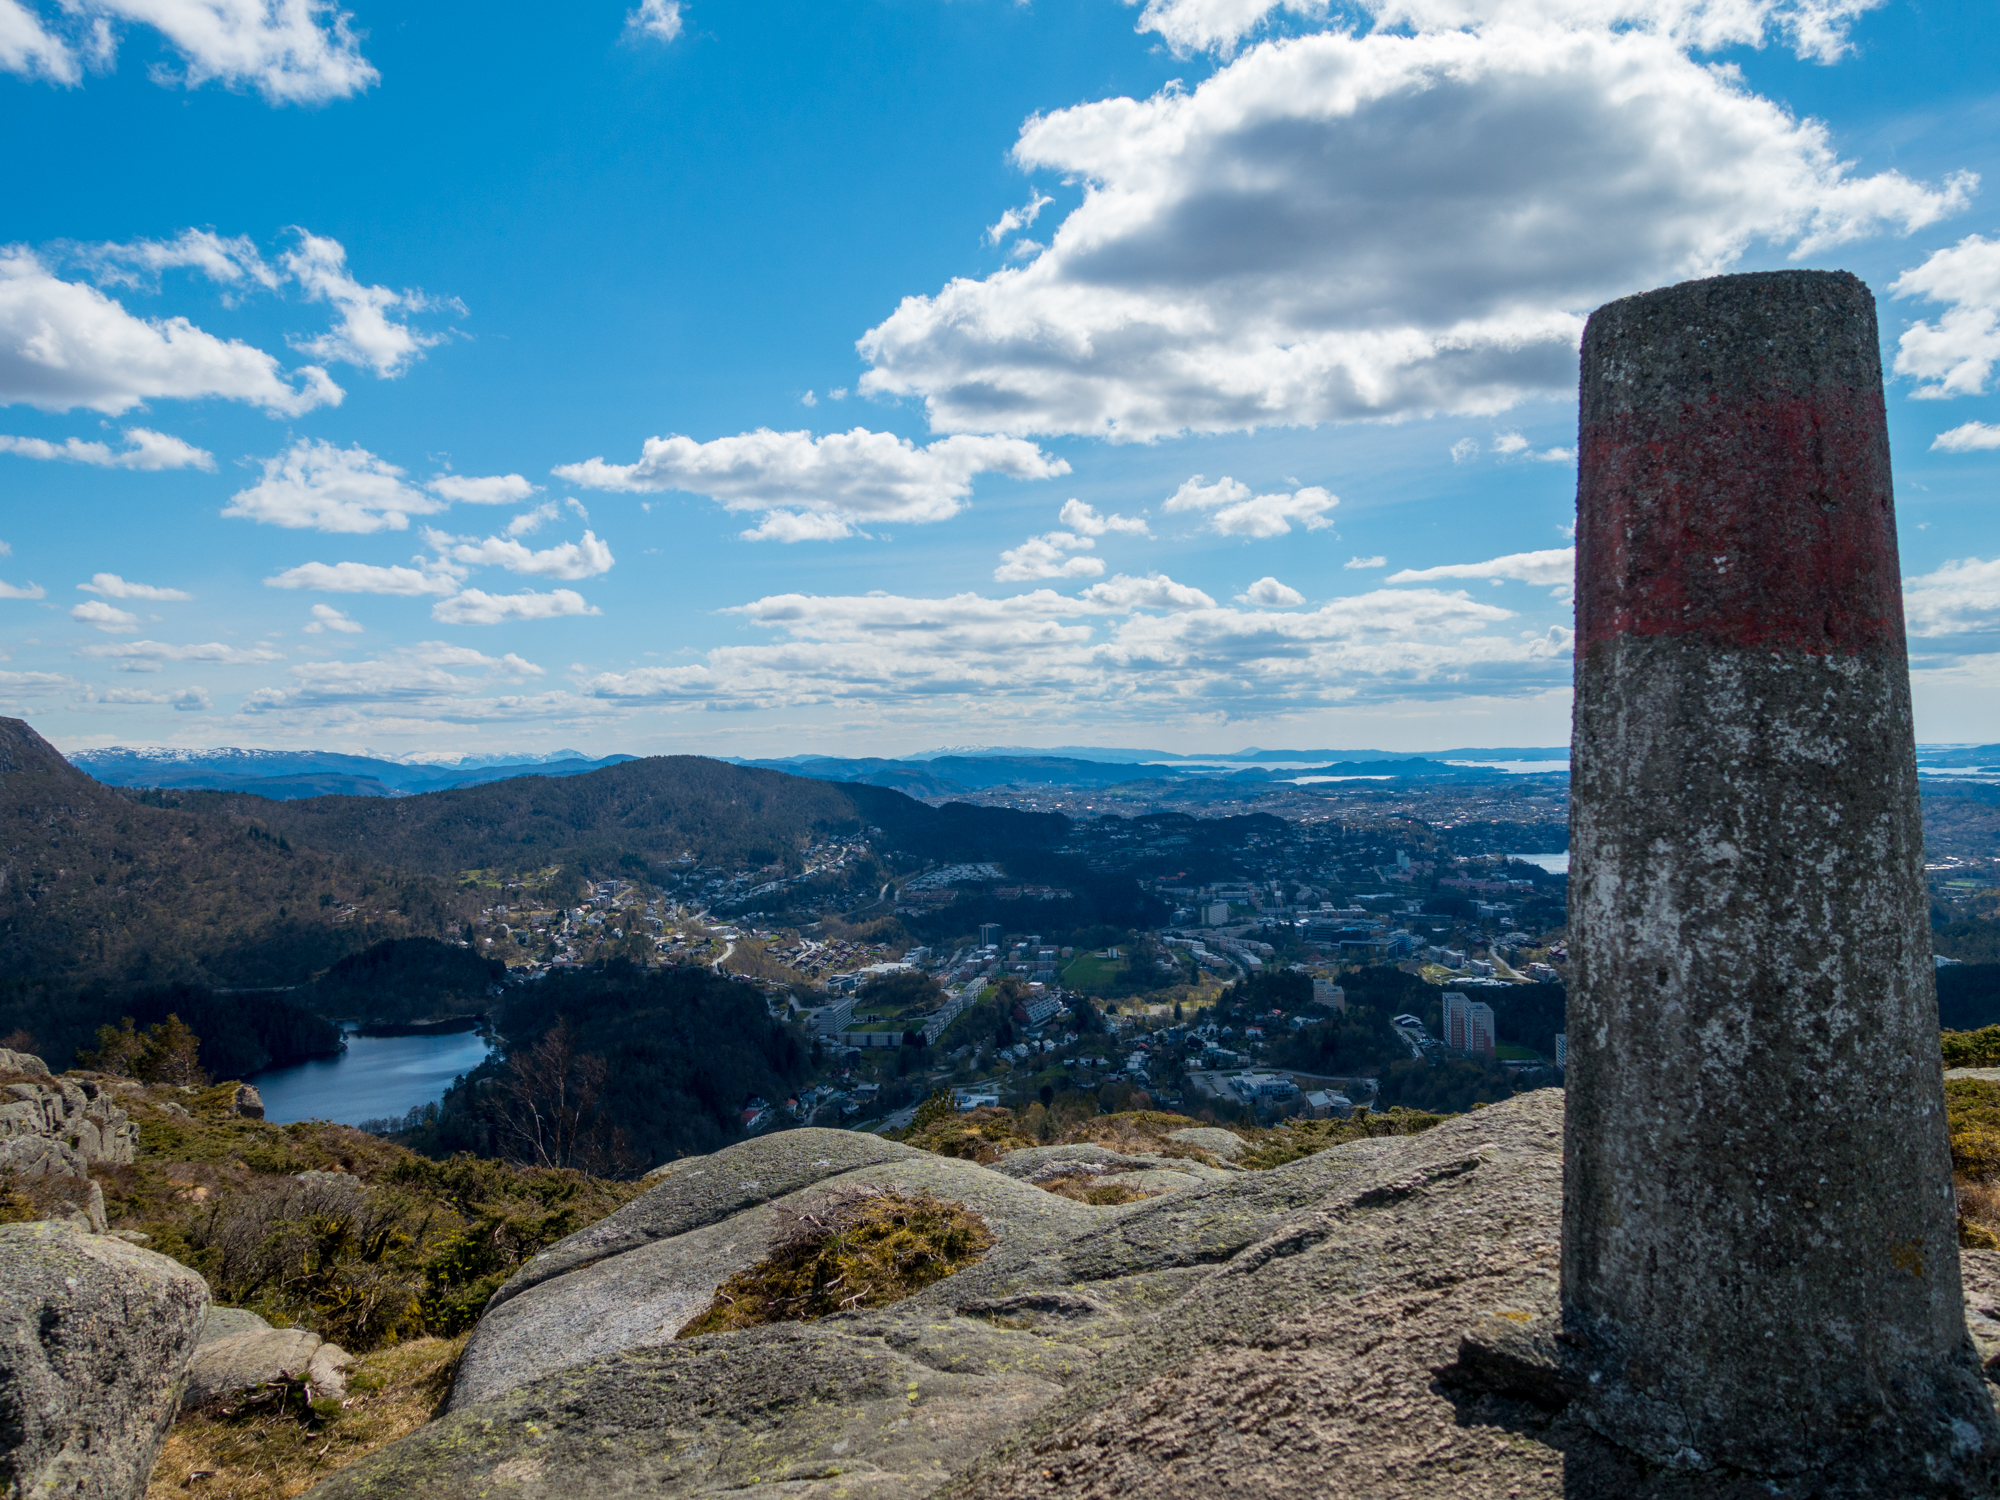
1377, 1320
95, 1336
699, 1227
59, 1127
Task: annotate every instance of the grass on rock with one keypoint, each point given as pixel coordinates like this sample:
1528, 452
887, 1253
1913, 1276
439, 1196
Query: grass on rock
987, 1134
844, 1252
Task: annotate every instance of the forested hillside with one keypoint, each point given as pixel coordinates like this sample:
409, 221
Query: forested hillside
645, 810
618, 1069
101, 883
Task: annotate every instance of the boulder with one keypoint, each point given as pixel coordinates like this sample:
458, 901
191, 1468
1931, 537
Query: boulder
248, 1102
227, 1322
1379, 1319
95, 1336
242, 1361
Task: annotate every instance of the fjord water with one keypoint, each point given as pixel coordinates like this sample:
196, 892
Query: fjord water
376, 1076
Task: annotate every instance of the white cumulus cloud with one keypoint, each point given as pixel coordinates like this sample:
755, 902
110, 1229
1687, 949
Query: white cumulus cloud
1351, 226
232, 261
1046, 556
474, 607
431, 675
1816, 29
1513, 445
1169, 652
818, 488
571, 560
313, 484
111, 586
1554, 568
1268, 593
1085, 521
1969, 438
1961, 597
1017, 218
22, 591
106, 617
1234, 511
325, 617
1377, 561
1953, 356
366, 333
31, 50
289, 51
64, 344
144, 450
490, 489
364, 578
147, 656
658, 19
1122, 594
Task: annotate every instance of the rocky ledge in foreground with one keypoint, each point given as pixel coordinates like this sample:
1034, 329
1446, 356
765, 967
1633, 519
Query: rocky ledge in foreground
1377, 1319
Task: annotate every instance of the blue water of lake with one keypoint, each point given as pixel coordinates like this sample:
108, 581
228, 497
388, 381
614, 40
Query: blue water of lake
1555, 864
376, 1077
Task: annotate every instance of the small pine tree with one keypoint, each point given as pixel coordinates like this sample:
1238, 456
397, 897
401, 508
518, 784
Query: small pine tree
172, 1054
117, 1050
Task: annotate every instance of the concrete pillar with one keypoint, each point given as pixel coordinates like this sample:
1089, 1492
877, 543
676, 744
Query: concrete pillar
1759, 1247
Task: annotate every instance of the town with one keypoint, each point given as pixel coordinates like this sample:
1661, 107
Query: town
1248, 967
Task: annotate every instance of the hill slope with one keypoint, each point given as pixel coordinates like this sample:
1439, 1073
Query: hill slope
95, 883
653, 809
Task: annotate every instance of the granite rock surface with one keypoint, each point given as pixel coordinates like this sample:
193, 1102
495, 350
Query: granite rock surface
1378, 1320
95, 1336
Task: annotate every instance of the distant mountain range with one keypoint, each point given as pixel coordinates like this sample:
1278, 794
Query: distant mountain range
1253, 755
946, 775
284, 775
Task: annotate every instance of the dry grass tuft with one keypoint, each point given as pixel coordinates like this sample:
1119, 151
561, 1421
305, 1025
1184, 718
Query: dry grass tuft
1087, 1187
273, 1444
848, 1251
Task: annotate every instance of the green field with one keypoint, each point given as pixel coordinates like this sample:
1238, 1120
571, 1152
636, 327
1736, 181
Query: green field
1508, 1052
1087, 972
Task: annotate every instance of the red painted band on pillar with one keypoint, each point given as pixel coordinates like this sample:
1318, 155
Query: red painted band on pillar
1768, 524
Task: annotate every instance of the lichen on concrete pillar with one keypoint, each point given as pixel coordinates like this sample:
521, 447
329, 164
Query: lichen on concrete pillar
1760, 1259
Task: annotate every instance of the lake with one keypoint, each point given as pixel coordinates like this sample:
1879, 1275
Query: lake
376, 1076
1555, 864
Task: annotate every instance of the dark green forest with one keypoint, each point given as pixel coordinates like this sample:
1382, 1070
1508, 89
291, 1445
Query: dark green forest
629, 1067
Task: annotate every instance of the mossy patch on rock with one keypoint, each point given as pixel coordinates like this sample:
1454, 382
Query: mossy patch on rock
988, 1134
848, 1251
1302, 1138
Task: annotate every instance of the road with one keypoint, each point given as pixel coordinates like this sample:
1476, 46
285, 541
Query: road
728, 949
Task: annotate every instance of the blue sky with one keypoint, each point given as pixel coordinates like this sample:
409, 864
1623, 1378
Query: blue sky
756, 378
